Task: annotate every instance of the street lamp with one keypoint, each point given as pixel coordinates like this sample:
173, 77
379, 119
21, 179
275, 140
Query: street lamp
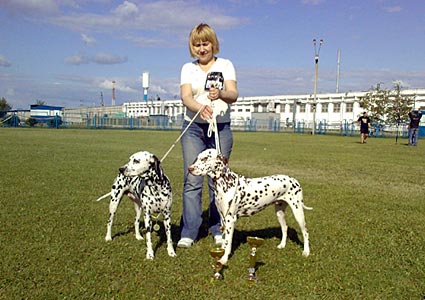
316, 62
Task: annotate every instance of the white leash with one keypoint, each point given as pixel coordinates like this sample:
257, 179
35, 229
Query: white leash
183, 132
171, 148
213, 128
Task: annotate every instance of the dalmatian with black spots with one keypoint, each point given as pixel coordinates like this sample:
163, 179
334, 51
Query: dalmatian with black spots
237, 196
143, 180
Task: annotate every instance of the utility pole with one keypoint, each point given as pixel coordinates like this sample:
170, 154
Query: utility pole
316, 75
337, 70
113, 92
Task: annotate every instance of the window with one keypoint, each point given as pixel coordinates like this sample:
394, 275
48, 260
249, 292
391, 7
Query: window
337, 107
325, 107
302, 108
349, 107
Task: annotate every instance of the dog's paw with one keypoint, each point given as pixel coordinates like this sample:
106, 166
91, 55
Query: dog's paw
139, 237
306, 253
108, 238
171, 251
281, 245
150, 256
223, 261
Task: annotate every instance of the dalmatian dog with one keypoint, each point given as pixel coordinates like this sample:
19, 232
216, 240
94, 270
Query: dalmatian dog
237, 196
143, 180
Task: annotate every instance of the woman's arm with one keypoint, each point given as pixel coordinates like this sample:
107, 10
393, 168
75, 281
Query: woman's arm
228, 94
192, 104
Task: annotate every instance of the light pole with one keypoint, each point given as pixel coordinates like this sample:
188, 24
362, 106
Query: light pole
316, 74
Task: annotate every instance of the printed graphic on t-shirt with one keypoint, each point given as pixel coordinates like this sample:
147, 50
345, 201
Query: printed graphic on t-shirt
215, 79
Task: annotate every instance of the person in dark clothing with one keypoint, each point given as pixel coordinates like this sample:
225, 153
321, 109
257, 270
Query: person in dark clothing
415, 118
364, 122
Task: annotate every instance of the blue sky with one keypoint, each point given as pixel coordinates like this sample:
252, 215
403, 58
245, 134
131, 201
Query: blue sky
68, 52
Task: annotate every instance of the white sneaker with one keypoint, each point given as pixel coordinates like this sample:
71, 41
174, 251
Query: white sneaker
185, 243
218, 240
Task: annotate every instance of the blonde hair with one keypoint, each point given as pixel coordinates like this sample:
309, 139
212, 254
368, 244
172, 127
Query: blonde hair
203, 33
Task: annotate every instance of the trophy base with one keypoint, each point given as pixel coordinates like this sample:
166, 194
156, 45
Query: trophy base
251, 278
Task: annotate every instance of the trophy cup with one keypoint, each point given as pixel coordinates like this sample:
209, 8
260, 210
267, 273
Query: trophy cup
254, 243
217, 253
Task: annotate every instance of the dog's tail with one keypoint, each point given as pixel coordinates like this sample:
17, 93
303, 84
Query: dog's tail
104, 196
307, 208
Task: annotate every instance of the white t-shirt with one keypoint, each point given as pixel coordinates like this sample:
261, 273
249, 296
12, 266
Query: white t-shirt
192, 74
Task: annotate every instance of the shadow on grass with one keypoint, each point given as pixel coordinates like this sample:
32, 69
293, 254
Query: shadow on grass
239, 237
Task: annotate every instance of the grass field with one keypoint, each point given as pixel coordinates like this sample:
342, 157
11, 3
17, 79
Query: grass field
367, 229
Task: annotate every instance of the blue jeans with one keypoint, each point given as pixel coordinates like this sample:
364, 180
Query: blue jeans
193, 142
413, 136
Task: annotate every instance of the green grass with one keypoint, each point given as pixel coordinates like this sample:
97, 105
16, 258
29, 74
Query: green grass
367, 229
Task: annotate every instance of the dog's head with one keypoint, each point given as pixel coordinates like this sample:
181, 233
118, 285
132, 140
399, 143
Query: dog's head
208, 162
142, 164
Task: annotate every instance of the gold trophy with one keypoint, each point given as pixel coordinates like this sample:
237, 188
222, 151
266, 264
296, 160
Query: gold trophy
254, 243
217, 253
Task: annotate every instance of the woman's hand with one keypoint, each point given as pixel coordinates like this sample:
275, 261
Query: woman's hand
214, 93
206, 113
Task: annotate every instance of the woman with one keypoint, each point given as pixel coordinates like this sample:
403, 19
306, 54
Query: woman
208, 85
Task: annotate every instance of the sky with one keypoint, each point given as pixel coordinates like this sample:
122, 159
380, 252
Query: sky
68, 52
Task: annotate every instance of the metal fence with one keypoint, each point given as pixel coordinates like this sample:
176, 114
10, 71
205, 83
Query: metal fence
163, 122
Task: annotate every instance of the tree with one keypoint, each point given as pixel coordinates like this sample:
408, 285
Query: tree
40, 102
400, 106
387, 106
31, 121
4, 106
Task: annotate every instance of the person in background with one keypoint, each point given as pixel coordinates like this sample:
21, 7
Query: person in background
415, 117
208, 86
364, 122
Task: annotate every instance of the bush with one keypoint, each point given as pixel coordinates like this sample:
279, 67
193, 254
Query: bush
31, 122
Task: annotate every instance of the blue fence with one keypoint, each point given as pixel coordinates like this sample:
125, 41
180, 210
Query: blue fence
163, 122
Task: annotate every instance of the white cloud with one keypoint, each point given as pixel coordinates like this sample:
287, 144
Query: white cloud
10, 92
108, 59
99, 58
312, 2
393, 9
30, 7
88, 40
120, 85
126, 10
149, 23
4, 62
159, 17
78, 59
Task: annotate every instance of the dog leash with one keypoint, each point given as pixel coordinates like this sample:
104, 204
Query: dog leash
232, 204
183, 132
169, 150
213, 128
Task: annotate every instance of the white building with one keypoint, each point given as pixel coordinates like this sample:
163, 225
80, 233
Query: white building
331, 108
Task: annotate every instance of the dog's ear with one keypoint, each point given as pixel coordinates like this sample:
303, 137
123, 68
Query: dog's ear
141, 186
122, 169
157, 167
224, 159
